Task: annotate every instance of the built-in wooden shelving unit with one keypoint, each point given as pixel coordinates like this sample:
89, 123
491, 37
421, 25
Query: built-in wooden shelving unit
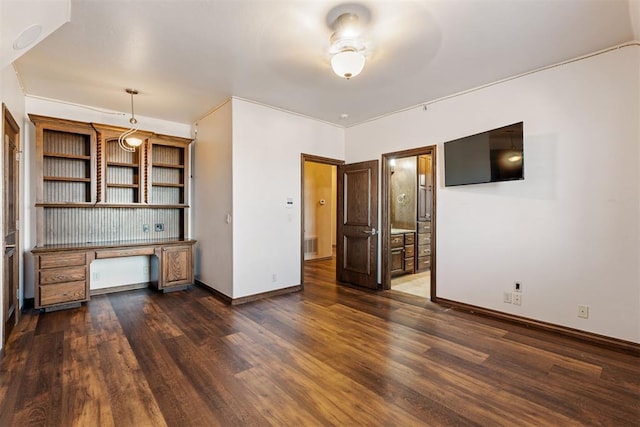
87, 184
92, 195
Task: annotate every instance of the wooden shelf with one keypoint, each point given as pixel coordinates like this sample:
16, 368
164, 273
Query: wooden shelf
66, 179
67, 156
110, 205
123, 185
167, 184
167, 165
64, 205
123, 165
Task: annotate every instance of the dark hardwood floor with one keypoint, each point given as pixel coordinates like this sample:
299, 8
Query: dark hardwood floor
330, 355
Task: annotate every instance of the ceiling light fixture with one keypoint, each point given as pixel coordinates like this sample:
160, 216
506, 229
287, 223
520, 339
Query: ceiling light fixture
126, 141
346, 47
348, 63
27, 37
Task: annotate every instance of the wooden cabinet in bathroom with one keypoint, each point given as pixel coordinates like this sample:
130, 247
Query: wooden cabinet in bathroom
423, 255
402, 253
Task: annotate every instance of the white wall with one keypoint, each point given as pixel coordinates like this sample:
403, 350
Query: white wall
112, 272
267, 144
634, 14
132, 271
11, 95
212, 201
570, 231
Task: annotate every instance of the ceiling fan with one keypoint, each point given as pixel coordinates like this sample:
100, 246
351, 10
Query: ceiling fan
349, 39
310, 42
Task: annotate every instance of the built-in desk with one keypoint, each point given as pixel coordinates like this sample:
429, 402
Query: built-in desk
62, 271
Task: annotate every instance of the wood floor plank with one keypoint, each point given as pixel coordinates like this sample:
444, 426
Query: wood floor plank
213, 381
13, 367
329, 355
311, 378
84, 400
347, 357
40, 391
176, 398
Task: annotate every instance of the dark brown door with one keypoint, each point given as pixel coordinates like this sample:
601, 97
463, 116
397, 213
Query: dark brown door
357, 243
10, 242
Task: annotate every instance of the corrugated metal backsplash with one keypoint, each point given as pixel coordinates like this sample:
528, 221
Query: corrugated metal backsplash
81, 225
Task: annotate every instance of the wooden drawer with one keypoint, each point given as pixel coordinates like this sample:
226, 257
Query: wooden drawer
424, 250
409, 239
396, 261
397, 240
62, 292
409, 251
62, 260
61, 275
424, 227
424, 239
424, 263
408, 265
117, 253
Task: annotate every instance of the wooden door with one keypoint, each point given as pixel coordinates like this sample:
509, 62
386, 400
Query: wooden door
177, 266
10, 281
357, 242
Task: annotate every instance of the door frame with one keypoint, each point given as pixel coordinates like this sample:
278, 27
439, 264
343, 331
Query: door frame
316, 159
386, 220
8, 120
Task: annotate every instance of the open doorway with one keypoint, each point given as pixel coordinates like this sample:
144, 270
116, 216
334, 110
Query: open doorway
408, 222
319, 211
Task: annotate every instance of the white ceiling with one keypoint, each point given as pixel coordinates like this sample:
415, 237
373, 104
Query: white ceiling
188, 56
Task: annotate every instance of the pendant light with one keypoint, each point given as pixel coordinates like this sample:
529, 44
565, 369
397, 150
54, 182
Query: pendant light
126, 141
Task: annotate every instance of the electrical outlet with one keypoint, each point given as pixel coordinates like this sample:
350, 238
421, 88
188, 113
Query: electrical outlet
517, 287
95, 275
274, 277
517, 298
159, 227
507, 297
583, 311
145, 269
145, 228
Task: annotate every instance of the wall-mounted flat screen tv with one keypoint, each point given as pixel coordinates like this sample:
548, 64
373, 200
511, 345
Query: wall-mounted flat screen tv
492, 156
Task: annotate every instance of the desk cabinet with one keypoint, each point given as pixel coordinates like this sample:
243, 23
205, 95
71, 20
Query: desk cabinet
61, 278
177, 266
62, 272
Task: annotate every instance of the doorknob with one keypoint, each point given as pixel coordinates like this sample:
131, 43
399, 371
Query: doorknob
373, 231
